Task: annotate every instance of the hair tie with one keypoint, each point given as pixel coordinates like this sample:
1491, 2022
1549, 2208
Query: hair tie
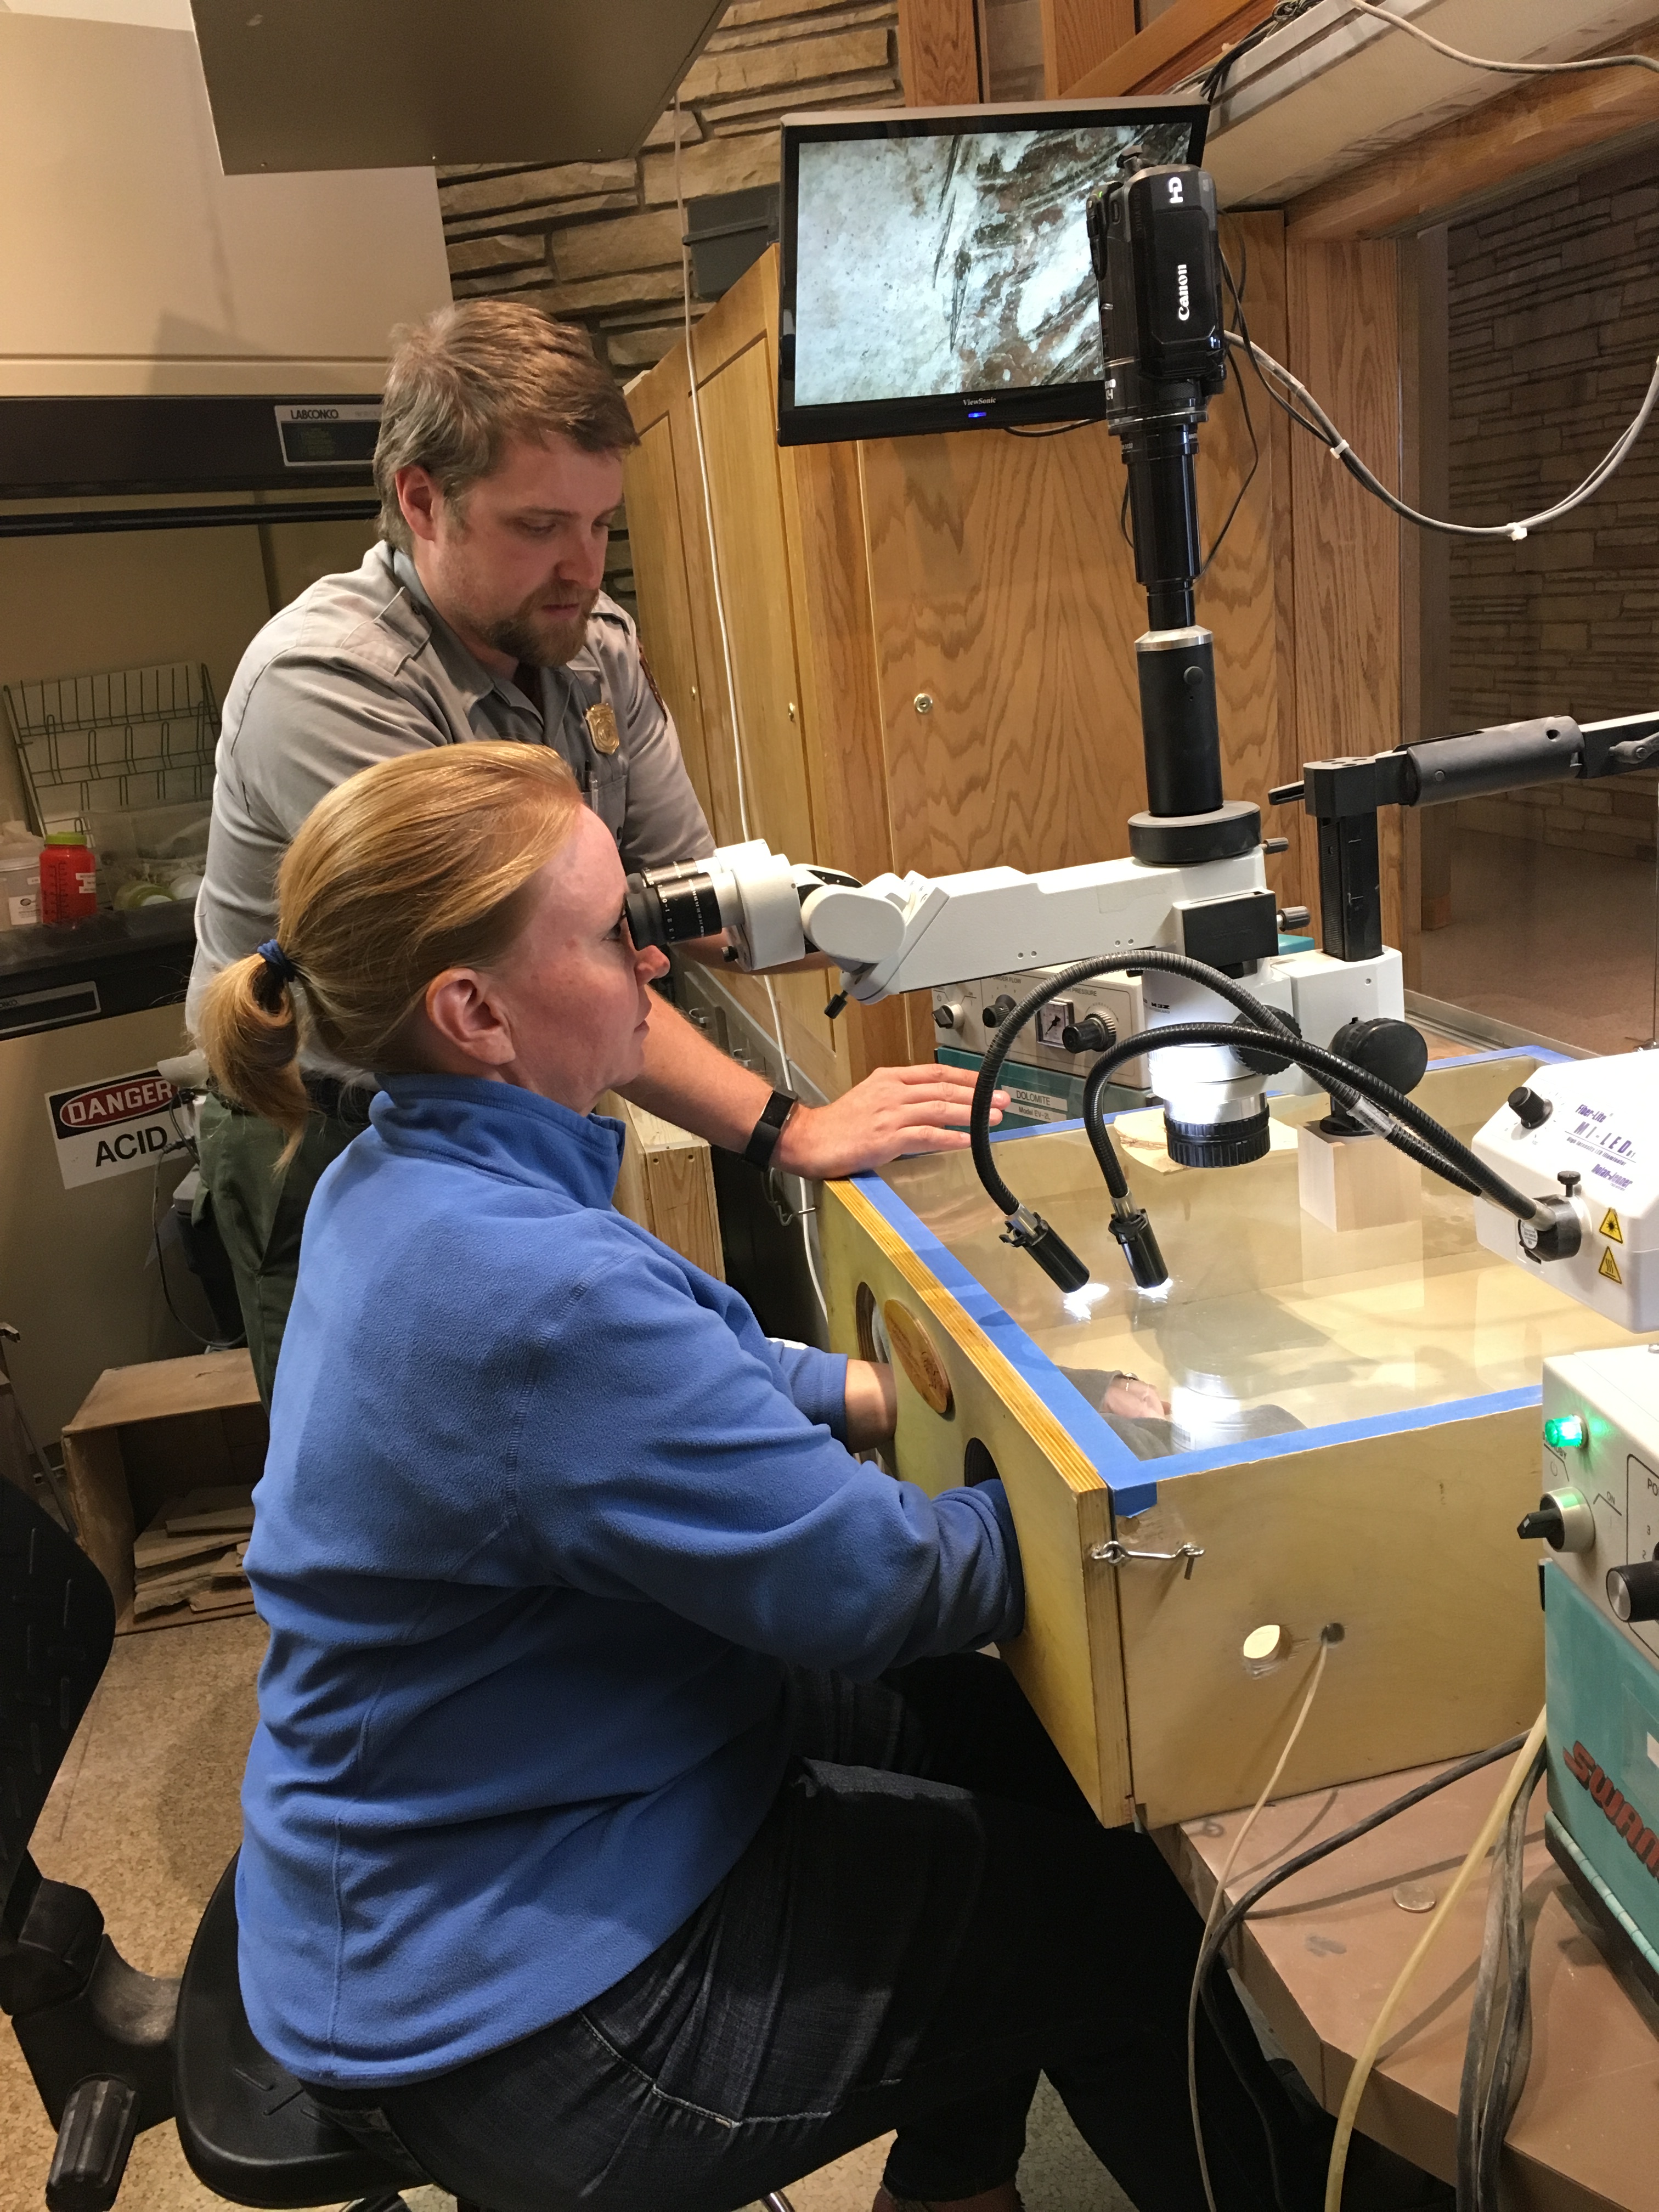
279, 970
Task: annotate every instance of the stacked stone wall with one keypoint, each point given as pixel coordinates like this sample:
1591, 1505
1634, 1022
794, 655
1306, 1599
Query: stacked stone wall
598, 242
1554, 323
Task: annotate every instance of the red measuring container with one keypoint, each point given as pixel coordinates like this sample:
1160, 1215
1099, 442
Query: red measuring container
69, 879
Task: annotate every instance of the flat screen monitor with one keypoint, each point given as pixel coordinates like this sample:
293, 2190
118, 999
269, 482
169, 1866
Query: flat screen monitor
935, 262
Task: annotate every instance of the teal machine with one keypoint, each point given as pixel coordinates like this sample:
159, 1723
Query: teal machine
1598, 1516
1587, 1126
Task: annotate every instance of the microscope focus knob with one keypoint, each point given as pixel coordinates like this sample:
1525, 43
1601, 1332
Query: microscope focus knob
1634, 1591
1529, 1109
999, 1011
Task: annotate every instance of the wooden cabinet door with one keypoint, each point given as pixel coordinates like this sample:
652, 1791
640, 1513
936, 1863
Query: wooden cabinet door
657, 543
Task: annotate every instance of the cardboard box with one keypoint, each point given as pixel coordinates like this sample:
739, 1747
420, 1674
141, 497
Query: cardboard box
147, 1434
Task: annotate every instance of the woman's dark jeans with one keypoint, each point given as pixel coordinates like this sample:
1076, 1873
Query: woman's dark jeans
929, 1917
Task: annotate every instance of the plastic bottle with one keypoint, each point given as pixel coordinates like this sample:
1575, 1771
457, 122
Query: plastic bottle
69, 879
19, 875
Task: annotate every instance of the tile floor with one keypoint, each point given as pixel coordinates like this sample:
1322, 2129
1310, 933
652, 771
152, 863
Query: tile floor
1549, 939
145, 1814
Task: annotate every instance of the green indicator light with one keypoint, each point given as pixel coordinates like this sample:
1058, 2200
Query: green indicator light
1565, 1433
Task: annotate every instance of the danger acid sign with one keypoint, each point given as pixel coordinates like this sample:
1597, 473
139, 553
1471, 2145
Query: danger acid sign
112, 1127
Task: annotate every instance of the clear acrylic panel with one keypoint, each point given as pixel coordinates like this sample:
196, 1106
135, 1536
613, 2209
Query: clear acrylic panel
1271, 1322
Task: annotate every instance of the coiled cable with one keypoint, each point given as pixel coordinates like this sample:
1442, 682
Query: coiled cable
1272, 1039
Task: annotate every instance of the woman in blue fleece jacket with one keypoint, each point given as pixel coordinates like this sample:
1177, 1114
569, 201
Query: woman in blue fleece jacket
620, 1830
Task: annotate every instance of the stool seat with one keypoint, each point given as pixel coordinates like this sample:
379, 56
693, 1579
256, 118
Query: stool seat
246, 2126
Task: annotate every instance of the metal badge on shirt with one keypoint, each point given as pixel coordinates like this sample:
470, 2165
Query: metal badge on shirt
602, 728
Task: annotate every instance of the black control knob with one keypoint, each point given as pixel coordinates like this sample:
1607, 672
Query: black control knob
1094, 1033
1546, 1523
999, 1011
1634, 1591
1529, 1109
1293, 919
947, 1014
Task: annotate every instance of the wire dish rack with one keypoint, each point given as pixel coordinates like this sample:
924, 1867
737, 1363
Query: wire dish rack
121, 744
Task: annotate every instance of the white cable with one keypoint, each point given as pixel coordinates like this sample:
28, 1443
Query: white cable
1465, 1874
725, 648
1218, 1905
1326, 431
1452, 53
1504, 68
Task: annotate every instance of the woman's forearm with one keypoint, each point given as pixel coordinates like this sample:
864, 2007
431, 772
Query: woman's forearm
871, 1404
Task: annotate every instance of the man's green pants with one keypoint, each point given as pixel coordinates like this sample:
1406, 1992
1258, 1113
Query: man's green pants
259, 1208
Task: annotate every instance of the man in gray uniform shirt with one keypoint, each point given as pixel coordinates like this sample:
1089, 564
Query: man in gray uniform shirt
480, 615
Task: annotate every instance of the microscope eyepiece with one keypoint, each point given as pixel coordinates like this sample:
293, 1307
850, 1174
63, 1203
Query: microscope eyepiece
671, 906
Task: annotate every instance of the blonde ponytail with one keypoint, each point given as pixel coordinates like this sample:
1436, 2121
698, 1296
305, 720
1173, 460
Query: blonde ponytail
410, 867
250, 1032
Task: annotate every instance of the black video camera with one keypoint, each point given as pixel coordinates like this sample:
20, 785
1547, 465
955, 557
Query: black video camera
1152, 240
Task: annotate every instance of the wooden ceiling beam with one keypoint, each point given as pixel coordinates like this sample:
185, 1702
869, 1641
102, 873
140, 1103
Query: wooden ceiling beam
938, 53
1185, 38
1544, 122
1080, 35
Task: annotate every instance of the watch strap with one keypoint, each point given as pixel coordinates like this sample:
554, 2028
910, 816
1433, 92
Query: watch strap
763, 1141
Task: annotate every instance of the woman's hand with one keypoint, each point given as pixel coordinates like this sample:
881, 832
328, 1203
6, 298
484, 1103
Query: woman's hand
871, 1404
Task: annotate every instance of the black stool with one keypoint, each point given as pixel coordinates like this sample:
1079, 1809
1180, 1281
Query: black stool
113, 2052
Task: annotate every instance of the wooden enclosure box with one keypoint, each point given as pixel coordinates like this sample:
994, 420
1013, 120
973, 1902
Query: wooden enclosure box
932, 639
147, 1434
1397, 1529
667, 1185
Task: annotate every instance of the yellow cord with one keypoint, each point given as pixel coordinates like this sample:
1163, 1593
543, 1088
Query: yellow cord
1218, 1903
1466, 1873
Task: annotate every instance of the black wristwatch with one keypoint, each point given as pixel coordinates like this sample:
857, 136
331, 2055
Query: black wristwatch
763, 1142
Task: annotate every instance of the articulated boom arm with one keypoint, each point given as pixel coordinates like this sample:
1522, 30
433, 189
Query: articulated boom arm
1343, 796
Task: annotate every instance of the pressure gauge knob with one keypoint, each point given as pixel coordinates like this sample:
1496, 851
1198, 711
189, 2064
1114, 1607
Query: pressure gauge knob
1094, 1033
1634, 1591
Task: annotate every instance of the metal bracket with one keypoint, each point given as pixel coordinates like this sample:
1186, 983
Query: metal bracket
1113, 1554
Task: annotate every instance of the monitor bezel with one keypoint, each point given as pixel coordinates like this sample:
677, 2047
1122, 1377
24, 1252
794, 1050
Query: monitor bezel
920, 415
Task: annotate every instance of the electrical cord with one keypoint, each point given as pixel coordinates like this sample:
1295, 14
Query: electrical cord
1524, 1766
1443, 1153
1504, 68
156, 1211
1216, 1901
1494, 2076
1322, 427
1153, 956
1212, 80
725, 653
1219, 1928
1446, 1150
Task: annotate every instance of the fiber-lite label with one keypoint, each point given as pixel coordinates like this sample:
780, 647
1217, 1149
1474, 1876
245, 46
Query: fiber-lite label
112, 1127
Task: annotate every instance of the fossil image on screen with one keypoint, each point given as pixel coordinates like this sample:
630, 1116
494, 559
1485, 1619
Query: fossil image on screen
933, 265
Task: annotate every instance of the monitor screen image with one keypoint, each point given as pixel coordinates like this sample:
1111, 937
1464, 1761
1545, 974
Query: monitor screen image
935, 268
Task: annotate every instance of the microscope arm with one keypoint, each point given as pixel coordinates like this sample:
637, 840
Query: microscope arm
911, 933
1343, 796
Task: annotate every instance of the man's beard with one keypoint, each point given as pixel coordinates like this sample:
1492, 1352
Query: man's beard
539, 640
